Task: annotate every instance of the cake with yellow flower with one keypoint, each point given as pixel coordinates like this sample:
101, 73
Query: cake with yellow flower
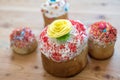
53, 10
102, 38
63, 46
23, 40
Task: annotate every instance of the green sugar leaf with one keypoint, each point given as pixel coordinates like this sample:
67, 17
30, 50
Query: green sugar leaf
64, 37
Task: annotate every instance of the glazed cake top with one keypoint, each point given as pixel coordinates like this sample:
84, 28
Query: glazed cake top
22, 37
54, 8
102, 33
63, 39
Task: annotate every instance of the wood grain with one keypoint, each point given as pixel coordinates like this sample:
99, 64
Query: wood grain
18, 13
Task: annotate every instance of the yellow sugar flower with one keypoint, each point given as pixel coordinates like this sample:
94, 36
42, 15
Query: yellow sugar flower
59, 28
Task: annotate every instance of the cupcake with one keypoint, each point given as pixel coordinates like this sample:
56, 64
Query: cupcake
63, 46
102, 38
53, 10
23, 41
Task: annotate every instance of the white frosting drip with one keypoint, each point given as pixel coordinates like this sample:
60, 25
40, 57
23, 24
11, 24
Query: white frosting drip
54, 9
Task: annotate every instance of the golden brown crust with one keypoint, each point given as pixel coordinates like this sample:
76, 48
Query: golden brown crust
47, 20
100, 52
68, 68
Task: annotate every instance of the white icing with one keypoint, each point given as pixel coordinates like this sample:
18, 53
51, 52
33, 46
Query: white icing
99, 42
80, 45
50, 8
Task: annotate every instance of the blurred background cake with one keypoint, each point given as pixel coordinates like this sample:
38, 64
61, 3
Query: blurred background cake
23, 40
63, 46
53, 10
102, 38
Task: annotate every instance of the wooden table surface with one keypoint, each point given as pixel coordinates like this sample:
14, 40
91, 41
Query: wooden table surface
19, 13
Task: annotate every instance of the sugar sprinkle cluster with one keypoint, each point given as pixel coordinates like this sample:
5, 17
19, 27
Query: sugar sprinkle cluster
22, 37
103, 32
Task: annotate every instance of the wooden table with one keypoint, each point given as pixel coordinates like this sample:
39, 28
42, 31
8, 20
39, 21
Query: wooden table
19, 13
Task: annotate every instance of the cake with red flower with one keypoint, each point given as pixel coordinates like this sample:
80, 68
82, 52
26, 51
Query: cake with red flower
63, 46
102, 38
23, 40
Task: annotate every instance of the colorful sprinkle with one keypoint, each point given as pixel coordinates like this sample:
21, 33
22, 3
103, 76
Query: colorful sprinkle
22, 33
102, 26
42, 10
104, 30
66, 9
47, 12
53, 0
56, 7
50, 4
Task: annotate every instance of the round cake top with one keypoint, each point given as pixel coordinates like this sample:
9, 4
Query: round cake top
102, 32
62, 40
54, 8
22, 37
